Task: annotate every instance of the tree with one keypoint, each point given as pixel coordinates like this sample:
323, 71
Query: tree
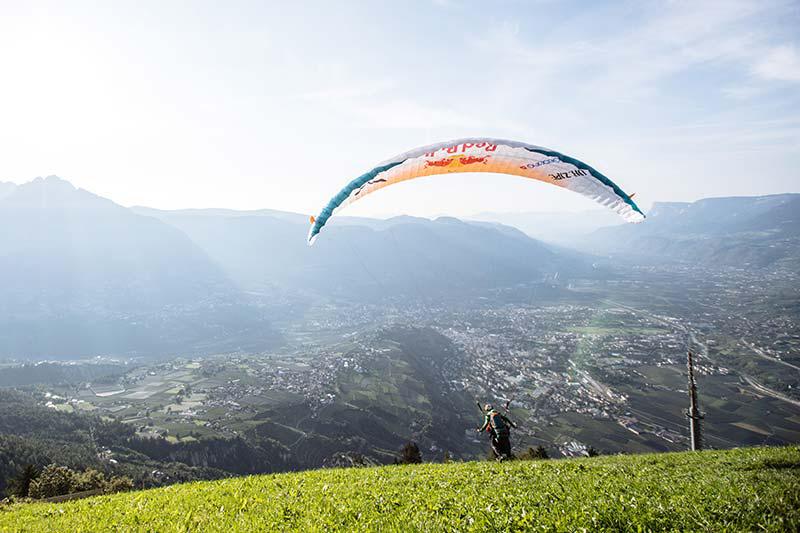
90, 479
410, 454
535, 453
54, 480
21, 483
119, 484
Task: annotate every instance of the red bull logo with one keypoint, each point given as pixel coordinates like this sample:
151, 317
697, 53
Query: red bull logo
471, 160
459, 161
439, 162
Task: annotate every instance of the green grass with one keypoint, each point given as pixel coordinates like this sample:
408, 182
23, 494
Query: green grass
615, 330
737, 490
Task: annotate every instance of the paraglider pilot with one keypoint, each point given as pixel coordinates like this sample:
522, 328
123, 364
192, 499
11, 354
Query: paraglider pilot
499, 426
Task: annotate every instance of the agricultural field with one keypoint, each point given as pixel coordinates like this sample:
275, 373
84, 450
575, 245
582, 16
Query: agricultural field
735, 490
599, 364
611, 376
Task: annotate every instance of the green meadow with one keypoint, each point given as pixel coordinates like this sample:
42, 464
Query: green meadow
754, 489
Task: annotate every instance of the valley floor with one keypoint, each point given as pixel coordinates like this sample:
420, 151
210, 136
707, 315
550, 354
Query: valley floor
734, 490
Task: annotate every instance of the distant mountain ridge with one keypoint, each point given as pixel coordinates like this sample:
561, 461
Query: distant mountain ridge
87, 276
64, 234
757, 231
83, 275
559, 227
53, 192
6, 188
372, 258
778, 212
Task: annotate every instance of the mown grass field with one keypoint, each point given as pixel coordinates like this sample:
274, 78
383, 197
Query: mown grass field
752, 489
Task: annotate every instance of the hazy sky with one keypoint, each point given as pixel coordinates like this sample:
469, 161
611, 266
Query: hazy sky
278, 104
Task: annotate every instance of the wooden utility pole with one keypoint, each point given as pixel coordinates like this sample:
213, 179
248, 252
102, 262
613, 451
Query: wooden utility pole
693, 413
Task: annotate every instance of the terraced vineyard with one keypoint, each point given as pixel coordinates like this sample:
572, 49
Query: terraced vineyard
735, 490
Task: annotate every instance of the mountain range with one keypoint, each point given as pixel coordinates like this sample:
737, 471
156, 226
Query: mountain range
85, 276
373, 259
749, 232
6, 188
563, 228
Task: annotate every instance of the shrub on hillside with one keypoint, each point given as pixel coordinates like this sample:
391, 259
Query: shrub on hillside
57, 480
410, 454
535, 453
90, 479
119, 484
53, 481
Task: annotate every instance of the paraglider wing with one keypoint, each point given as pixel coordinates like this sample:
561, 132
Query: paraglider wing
484, 155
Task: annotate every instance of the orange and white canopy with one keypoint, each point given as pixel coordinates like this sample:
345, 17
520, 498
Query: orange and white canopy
484, 155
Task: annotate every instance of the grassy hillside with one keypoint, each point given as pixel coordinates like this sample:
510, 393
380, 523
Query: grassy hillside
747, 489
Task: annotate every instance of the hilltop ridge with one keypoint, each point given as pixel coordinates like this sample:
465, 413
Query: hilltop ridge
734, 490
753, 231
214, 280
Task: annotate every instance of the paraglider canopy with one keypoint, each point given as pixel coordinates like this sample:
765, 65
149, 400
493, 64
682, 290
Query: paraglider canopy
484, 155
